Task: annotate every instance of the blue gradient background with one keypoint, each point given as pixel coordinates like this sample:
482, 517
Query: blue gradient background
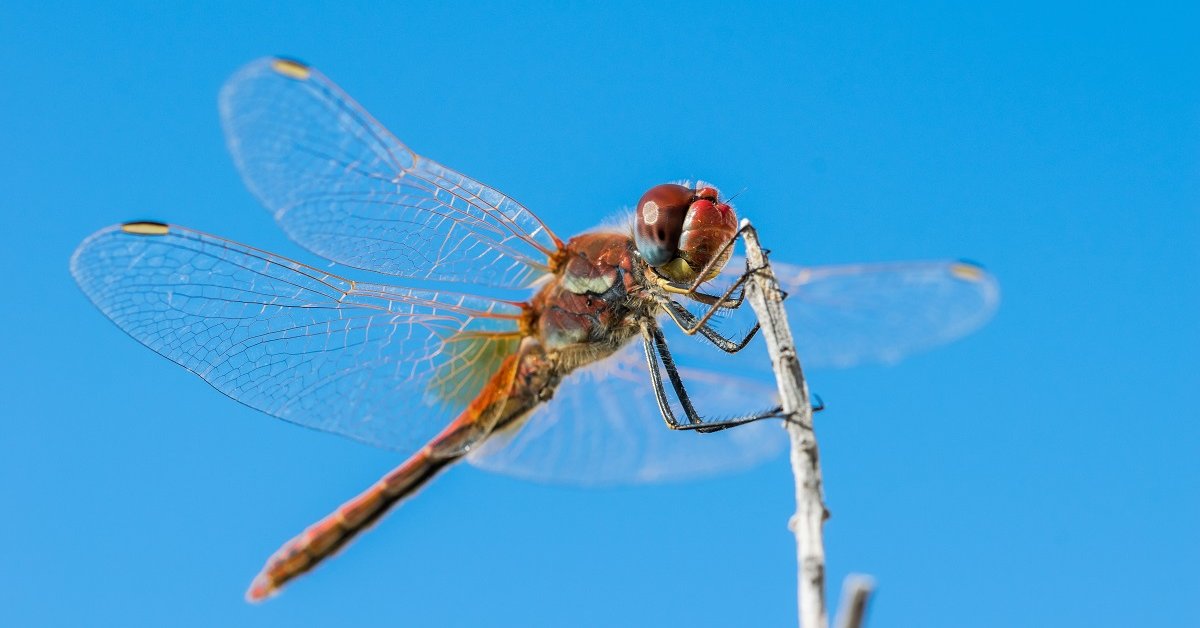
1042, 472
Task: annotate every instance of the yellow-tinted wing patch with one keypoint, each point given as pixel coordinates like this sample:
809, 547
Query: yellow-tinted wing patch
473, 359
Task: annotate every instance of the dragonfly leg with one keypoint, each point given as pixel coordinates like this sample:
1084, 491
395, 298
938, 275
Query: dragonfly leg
692, 290
690, 324
686, 320
656, 348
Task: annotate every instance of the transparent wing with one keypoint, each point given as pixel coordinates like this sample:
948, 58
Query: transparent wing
381, 364
342, 186
842, 316
603, 426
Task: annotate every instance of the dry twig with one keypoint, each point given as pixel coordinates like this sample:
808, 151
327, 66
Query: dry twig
767, 301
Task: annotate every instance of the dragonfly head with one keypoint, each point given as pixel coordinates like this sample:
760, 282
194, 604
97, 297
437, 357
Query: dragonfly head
678, 230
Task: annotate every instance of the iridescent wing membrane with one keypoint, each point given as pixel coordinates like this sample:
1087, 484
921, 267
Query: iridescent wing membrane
391, 366
864, 313
604, 426
847, 315
384, 365
342, 186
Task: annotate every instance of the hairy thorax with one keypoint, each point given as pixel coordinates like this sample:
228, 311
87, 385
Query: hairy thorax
594, 302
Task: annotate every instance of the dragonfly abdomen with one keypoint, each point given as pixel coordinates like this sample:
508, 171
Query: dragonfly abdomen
327, 536
521, 382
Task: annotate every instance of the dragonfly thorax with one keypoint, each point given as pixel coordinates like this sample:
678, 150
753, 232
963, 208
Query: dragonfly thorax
594, 299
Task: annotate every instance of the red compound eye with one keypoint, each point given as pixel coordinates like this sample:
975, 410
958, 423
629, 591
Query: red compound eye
707, 193
708, 227
659, 222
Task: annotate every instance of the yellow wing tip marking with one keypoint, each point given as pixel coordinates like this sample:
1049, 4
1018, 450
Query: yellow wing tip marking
967, 271
146, 228
291, 68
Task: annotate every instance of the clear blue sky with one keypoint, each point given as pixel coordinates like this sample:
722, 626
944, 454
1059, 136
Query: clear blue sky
1044, 471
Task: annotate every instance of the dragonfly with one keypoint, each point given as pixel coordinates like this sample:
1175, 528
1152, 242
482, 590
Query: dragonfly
503, 344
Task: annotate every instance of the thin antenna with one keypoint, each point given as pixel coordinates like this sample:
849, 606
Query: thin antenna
730, 199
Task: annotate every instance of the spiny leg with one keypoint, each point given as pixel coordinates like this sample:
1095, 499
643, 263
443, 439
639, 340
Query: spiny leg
656, 347
699, 324
691, 324
693, 290
685, 320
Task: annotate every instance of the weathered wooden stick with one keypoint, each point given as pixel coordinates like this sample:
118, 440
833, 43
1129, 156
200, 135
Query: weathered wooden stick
767, 301
856, 591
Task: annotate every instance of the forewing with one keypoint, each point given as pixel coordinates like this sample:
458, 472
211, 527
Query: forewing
344, 187
381, 364
603, 426
843, 316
